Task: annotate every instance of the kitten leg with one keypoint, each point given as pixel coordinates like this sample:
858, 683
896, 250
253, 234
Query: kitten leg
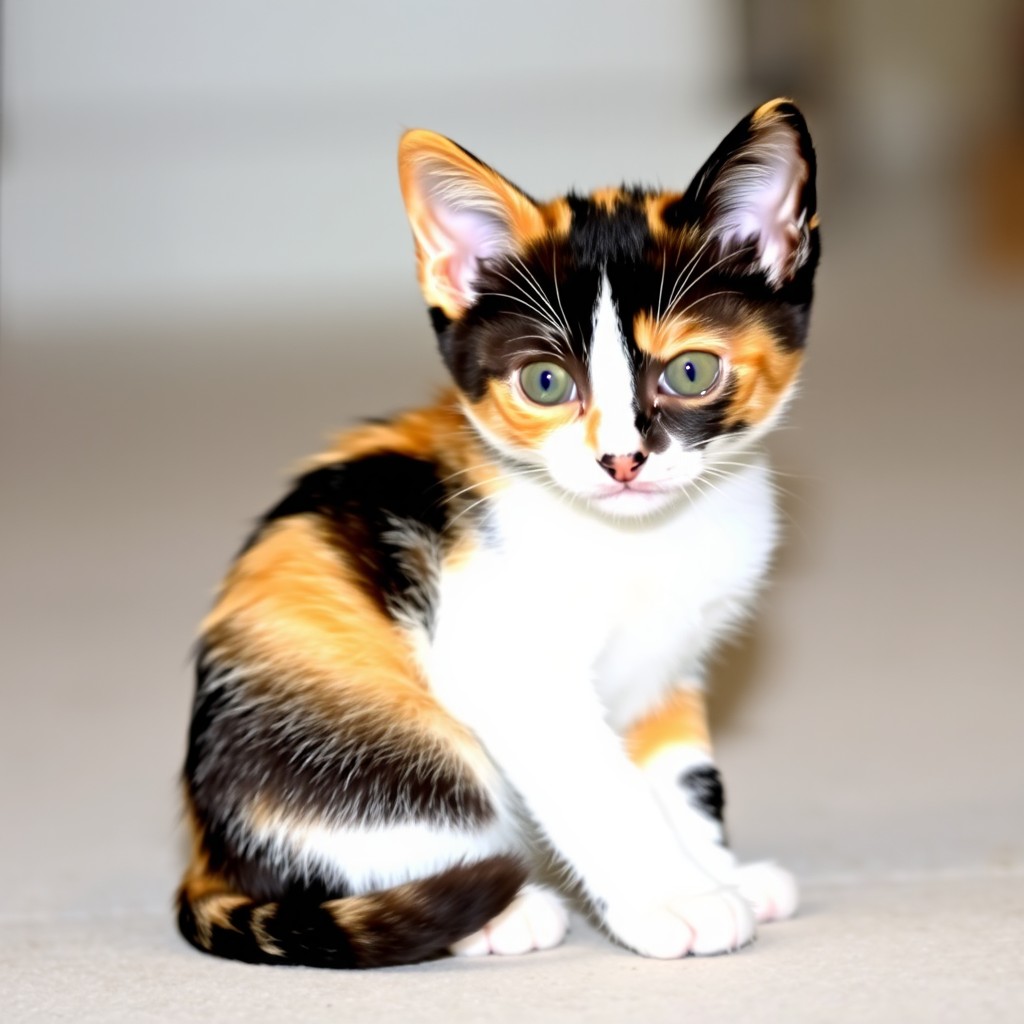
541, 722
593, 807
672, 746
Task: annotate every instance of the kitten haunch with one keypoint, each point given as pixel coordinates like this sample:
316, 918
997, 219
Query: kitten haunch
472, 638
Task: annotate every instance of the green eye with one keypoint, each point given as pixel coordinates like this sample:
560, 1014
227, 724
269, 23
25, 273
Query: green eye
547, 383
691, 374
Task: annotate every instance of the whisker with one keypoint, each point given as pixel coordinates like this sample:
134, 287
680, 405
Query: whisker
772, 470
525, 270
687, 270
664, 263
558, 294
725, 291
536, 472
778, 491
527, 301
469, 508
695, 485
467, 469
732, 254
526, 471
541, 325
536, 351
704, 478
702, 444
781, 492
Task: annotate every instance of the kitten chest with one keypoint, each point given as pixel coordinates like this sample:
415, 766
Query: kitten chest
639, 604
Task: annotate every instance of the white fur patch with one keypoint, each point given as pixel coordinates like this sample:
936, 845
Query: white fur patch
371, 859
611, 380
699, 833
586, 623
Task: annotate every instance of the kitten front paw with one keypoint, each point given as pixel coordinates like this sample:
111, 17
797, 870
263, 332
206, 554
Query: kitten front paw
770, 890
535, 919
715, 922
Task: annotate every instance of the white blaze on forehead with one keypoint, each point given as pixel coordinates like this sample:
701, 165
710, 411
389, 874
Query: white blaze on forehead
611, 379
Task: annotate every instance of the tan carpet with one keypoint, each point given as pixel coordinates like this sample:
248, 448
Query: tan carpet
943, 949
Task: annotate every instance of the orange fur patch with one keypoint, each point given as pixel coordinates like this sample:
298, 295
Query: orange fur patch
208, 893
766, 113
300, 606
508, 416
438, 433
258, 925
591, 425
606, 198
681, 719
427, 433
422, 152
293, 609
664, 339
654, 207
557, 216
763, 370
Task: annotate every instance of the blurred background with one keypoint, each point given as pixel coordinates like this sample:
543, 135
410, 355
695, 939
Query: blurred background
205, 269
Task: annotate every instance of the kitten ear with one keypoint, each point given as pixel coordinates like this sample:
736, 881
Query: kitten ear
756, 194
462, 212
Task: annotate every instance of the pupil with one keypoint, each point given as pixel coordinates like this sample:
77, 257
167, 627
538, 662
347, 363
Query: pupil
546, 379
691, 371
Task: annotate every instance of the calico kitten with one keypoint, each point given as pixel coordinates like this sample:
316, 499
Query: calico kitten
469, 644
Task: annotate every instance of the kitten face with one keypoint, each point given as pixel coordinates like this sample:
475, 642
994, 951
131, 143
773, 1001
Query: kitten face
619, 345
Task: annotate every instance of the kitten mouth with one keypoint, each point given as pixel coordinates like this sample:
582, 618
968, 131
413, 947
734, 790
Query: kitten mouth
634, 487
632, 500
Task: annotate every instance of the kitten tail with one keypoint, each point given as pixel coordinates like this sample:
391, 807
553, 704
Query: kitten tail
403, 925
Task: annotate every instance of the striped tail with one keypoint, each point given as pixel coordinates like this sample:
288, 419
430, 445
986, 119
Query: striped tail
404, 925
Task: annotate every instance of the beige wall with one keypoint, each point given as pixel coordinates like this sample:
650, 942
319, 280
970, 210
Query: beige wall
233, 156
187, 154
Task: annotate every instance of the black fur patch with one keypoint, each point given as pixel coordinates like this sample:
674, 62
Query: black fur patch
704, 788
439, 318
405, 925
389, 512
259, 872
695, 425
293, 930
599, 237
542, 304
304, 932
354, 768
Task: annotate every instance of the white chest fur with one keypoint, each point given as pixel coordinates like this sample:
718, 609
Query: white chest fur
635, 605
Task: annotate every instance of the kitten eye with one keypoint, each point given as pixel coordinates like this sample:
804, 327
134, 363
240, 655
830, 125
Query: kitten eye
547, 383
691, 374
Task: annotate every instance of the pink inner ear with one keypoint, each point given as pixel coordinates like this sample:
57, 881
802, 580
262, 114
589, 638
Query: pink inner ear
469, 235
761, 201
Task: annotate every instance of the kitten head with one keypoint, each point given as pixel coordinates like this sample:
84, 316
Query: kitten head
623, 342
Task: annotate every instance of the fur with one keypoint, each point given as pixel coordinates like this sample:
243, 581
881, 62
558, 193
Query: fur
469, 644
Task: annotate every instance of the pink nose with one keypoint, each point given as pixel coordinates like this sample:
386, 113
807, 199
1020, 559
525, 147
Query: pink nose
623, 468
